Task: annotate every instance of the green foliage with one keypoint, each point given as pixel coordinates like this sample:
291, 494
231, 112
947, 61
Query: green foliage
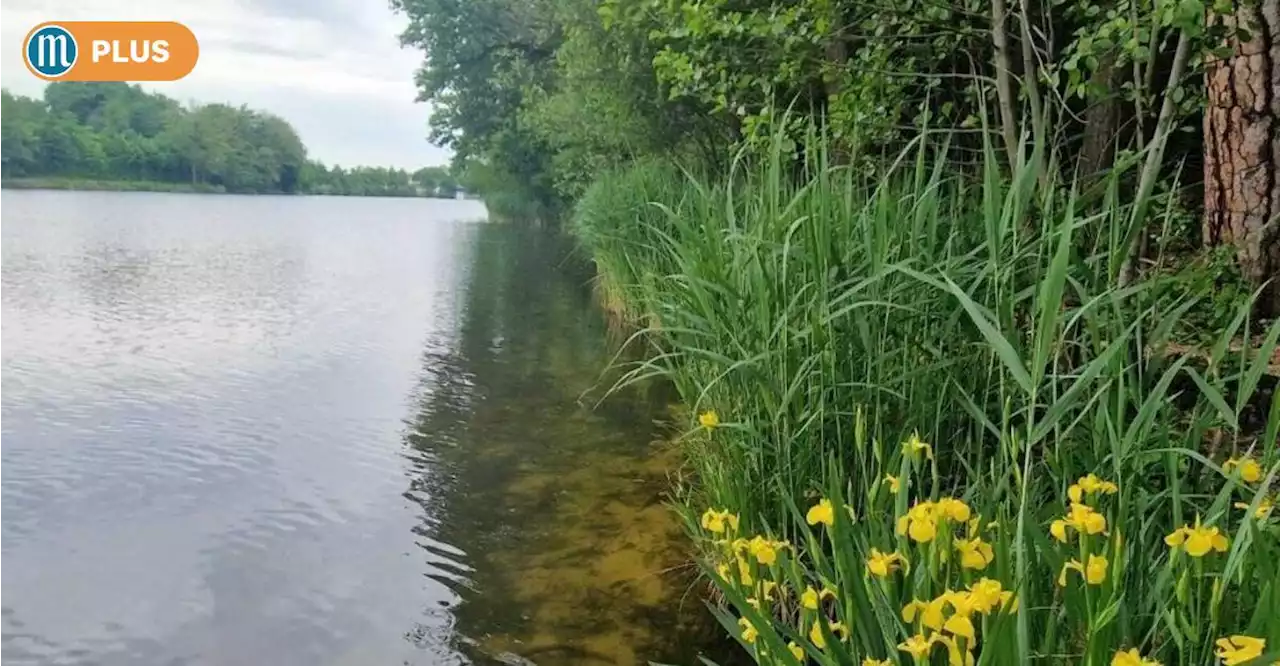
104, 132
825, 318
483, 57
545, 98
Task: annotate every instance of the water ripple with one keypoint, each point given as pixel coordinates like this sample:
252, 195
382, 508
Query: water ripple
203, 423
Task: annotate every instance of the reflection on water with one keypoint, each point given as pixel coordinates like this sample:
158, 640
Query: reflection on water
298, 430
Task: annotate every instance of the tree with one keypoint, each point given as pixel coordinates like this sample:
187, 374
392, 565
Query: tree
1242, 145
122, 132
485, 56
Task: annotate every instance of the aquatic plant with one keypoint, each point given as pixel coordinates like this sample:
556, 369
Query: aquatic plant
968, 431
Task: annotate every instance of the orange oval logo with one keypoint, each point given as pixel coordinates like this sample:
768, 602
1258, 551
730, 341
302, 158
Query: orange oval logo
110, 51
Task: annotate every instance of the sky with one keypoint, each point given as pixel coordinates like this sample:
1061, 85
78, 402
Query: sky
333, 68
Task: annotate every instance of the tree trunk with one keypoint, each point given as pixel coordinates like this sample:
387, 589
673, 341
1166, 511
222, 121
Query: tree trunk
1096, 154
1004, 82
1242, 146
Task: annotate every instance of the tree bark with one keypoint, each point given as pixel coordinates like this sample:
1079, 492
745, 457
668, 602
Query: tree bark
1101, 122
1242, 146
1004, 85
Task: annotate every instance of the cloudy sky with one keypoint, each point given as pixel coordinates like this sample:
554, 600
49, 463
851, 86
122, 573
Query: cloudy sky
332, 68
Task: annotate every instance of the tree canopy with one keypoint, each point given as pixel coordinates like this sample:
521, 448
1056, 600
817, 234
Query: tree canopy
546, 93
117, 131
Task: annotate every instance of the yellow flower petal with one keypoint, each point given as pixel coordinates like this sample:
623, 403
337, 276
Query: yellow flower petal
816, 637
822, 512
932, 615
960, 625
923, 531
764, 550
1096, 523
882, 564
1095, 572
1250, 471
909, 611
917, 646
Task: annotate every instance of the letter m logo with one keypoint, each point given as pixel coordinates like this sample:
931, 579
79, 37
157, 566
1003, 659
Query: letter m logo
51, 51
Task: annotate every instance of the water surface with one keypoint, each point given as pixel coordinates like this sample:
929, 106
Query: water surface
304, 430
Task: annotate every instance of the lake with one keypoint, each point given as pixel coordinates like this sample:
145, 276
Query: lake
309, 430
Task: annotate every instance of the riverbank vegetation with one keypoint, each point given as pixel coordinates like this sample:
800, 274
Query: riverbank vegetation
116, 136
971, 304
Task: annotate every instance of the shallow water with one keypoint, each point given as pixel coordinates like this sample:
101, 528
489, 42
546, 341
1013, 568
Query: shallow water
299, 430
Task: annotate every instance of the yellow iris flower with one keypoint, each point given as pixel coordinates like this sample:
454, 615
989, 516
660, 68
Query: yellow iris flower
1081, 518
920, 523
882, 564
1090, 485
974, 553
749, 633
822, 512
930, 612
986, 595
892, 482
717, 522
954, 509
1265, 506
796, 651
917, 646
765, 550
1250, 470
1197, 540
1239, 649
819, 640
810, 598
921, 520
1094, 571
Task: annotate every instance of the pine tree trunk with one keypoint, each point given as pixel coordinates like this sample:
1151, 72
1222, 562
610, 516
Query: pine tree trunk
1242, 146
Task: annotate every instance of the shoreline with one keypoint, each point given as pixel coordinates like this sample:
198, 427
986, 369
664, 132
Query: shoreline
107, 185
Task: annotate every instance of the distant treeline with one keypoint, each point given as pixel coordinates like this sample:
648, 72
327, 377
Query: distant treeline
105, 132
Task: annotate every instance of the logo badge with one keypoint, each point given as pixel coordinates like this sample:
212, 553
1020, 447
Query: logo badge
110, 51
51, 51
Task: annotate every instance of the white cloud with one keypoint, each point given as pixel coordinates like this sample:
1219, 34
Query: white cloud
332, 68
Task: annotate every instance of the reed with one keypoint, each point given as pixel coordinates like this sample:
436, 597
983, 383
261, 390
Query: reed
825, 325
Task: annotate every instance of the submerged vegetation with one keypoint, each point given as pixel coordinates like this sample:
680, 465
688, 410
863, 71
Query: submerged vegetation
981, 365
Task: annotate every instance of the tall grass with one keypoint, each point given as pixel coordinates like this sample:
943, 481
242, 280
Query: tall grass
824, 317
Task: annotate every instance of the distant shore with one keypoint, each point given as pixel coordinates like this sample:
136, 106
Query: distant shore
58, 183
103, 185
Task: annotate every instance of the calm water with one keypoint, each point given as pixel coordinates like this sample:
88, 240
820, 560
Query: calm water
293, 430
